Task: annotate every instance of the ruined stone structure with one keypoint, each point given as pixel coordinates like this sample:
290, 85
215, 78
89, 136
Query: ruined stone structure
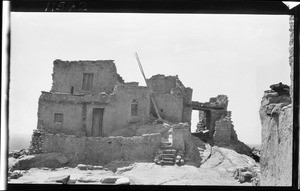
89, 98
90, 106
215, 125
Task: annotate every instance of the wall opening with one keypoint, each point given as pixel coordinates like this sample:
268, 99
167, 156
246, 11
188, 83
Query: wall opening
58, 118
134, 107
194, 120
87, 83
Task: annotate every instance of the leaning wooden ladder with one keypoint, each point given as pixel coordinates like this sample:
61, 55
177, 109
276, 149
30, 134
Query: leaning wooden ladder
151, 93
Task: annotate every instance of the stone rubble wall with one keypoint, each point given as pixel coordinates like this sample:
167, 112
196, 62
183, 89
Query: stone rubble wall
223, 129
97, 150
36, 143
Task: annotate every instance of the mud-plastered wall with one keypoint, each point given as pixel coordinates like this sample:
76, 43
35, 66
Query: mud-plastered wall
70, 74
101, 150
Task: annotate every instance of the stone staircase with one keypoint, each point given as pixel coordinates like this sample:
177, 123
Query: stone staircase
169, 154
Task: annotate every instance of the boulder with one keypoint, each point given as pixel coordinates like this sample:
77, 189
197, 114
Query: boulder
88, 179
64, 179
245, 176
109, 180
15, 175
50, 160
227, 159
18, 153
90, 167
124, 169
98, 167
82, 167
122, 181
117, 180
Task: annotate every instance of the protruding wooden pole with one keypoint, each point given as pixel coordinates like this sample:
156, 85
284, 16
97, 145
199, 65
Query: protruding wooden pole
151, 95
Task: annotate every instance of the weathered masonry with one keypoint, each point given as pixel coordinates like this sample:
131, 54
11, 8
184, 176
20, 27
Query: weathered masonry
89, 98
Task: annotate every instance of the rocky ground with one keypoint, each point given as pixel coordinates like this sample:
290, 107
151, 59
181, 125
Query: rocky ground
135, 174
221, 167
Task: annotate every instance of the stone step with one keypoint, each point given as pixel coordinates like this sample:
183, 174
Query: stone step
168, 159
166, 143
166, 147
163, 162
168, 156
169, 151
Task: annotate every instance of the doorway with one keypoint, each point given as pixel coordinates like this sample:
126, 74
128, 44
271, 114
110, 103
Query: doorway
97, 122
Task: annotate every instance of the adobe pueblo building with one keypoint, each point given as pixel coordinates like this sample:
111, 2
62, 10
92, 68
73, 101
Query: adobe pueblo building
90, 98
93, 117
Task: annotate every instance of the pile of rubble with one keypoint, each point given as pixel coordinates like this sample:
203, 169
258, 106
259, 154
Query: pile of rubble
18, 153
248, 174
89, 167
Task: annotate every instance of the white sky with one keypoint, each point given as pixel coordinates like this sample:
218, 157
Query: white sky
236, 55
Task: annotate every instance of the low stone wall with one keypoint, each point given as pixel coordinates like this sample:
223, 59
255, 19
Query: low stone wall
99, 150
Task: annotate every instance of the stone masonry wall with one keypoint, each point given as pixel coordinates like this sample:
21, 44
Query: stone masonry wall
223, 128
100, 150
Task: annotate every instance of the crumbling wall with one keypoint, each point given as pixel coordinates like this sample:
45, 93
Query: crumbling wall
171, 98
169, 106
276, 116
67, 74
219, 101
202, 124
223, 128
187, 111
215, 115
161, 83
183, 142
101, 150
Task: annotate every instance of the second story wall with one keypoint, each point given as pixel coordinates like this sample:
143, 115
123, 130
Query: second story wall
84, 77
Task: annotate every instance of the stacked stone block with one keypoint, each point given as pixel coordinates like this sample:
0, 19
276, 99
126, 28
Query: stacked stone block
36, 141
223, 130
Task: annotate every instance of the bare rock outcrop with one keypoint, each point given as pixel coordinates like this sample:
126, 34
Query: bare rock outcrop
50, 160
276, 116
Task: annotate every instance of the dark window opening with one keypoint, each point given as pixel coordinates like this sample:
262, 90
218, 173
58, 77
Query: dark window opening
134, 107
87, 83
58, 118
